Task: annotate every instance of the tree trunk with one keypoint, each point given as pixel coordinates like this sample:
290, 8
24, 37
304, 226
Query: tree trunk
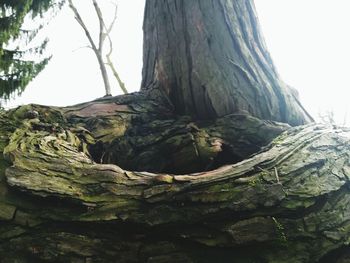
287, 203
210, 59
194, 168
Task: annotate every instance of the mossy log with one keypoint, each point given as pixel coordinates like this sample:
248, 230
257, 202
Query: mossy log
62, 199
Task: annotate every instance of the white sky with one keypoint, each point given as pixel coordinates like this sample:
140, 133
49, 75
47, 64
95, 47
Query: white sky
309, 41
73, 75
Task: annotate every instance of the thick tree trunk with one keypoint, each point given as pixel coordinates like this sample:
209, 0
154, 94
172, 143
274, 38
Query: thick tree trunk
287, 203
210, 59
188, 169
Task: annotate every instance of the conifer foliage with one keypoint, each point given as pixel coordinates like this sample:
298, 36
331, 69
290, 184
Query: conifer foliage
16, 70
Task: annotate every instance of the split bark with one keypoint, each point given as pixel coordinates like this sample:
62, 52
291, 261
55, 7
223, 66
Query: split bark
221, 181
59, 204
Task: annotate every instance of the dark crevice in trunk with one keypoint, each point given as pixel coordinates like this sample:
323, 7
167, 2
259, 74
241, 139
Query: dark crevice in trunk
187, 40
340, 255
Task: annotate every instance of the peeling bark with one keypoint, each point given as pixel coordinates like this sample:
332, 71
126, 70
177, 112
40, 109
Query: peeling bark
287, 203
194, 168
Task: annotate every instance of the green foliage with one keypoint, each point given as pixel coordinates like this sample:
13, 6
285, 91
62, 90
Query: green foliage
16, 70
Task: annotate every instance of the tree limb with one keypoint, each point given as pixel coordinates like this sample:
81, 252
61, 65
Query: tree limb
79, 19
102, 35
109, 29
109, 54
238, 207
97, 50
116, 75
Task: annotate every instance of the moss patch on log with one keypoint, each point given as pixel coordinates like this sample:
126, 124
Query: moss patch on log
287, 203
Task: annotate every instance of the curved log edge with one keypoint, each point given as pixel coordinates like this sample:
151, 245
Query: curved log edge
287, 203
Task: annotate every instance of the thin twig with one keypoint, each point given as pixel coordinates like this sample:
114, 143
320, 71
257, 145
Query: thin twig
114, 18
102, 35
109, 54
87, 46
276, 174
82, 24
97, 51
116, 75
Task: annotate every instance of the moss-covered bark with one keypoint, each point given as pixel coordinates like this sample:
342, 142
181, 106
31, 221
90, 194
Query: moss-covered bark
287, 203
133, 179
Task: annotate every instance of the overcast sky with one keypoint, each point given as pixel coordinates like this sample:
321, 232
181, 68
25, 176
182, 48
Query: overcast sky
309, 41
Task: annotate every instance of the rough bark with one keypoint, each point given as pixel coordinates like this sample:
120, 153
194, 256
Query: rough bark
188, 170
210, 59
287, 203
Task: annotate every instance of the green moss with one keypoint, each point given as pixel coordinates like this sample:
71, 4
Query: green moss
3, 166
280, 231
255, 182
7, 212
293, 204
218, 193
280, 139
107, 129
9, 231
45, 114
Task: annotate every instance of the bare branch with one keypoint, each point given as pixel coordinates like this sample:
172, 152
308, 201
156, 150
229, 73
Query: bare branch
102, 35
98, 51
276, 175
109, 54
82, 24
116, 75
109, 29
87, 46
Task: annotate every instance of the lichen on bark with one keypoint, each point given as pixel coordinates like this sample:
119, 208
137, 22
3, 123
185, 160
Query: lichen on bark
190, 169
286, 203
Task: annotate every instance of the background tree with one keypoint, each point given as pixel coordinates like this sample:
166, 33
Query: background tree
16, 70
104, 33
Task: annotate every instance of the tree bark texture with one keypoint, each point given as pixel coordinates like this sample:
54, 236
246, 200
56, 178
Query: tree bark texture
210, 59
58, 203
200, 166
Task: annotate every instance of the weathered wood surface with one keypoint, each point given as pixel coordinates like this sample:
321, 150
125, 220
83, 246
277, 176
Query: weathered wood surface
133, 179
144, 135
209, 57
287, 203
